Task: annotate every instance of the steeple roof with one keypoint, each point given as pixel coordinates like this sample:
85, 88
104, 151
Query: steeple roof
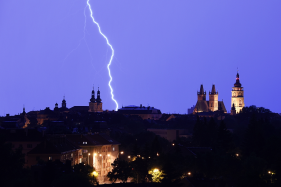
98, 96
201, 90
93, 100
237, 83
213, 90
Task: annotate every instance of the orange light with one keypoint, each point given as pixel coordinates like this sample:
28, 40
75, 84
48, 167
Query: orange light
122, 152
189, 173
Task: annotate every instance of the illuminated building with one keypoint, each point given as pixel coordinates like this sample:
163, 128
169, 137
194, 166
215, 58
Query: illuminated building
212, 105
237, 95
98, 150
95, 105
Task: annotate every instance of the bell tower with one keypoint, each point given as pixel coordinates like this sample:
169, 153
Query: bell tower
63, 103
213, 99
237, 98
99, 103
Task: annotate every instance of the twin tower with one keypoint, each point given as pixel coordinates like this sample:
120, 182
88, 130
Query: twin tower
237, 99
95, 105
208, 106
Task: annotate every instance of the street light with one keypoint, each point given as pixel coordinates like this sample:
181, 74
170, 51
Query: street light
95, 173
94, 159
121, 152
101, 164
157, 175
88, 159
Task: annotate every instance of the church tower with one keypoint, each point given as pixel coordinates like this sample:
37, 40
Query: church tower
201, 95
95, 105
237, 98
63, 103
99, 103
213, 99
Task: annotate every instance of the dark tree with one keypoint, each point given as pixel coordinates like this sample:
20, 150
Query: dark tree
224, 141
11, 164
121, 170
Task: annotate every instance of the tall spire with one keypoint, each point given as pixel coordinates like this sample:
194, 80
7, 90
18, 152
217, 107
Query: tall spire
93, 100
63, 103
98, 96
201, 94
201, 89
213, 90
237, 83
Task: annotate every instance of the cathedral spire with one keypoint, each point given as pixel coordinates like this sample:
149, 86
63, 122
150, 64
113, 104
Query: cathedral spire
63, 103
237, 83
98, 96
201, 89
213, 90
93, 100
201, 94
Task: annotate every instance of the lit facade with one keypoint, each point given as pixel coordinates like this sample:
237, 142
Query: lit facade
237, 95
212, 105
98, 150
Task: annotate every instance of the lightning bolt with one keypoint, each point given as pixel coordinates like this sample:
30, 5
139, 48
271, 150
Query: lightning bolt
112, 54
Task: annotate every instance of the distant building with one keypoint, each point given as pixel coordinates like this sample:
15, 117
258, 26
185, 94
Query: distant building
212, 105
190, 110
141, 111
237, 95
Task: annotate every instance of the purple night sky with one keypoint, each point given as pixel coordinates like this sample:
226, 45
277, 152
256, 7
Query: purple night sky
164, 50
